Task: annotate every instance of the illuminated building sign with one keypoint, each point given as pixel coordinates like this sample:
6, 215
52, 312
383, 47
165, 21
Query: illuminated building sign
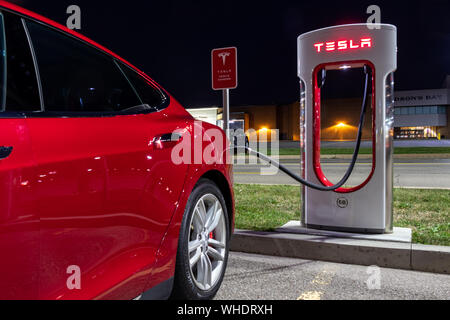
343, 45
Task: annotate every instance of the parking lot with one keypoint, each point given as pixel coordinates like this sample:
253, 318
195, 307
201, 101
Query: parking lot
253, 277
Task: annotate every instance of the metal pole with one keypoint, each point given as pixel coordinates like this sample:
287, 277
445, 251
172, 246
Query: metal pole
226, 112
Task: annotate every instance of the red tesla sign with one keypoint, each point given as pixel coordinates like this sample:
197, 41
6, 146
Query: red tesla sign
343, 45
224, 68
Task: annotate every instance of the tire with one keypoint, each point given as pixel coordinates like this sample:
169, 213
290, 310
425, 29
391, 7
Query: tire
205, 243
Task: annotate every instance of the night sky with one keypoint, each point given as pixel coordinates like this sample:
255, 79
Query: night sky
172, 40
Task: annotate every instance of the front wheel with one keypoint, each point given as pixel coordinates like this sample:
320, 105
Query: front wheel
203, 245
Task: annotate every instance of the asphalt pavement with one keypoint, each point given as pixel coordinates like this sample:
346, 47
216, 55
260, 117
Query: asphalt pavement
367, 144
254, 277
408, 173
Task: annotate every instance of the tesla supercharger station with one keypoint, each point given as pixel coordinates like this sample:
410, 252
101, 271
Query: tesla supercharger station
367, 207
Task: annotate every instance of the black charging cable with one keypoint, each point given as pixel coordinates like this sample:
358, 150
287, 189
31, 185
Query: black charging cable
354, 159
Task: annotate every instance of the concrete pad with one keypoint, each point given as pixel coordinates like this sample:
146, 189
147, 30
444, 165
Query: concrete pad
402, 235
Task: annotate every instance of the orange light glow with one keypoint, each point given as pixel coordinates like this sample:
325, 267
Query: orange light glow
340, 132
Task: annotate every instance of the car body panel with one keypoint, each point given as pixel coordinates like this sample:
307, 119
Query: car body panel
164, 268
19, 220
106, 198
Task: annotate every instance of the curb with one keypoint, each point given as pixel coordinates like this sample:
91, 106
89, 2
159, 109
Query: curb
394, 255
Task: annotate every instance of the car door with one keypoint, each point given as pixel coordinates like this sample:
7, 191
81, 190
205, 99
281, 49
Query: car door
99, 229
143, 181
19, 221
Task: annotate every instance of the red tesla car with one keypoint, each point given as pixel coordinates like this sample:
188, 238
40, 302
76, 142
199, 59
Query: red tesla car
92, 203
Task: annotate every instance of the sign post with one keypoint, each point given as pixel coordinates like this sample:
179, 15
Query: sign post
224, 77
226, 111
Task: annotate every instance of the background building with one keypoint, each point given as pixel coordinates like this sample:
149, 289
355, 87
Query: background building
422, 114
419, 114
